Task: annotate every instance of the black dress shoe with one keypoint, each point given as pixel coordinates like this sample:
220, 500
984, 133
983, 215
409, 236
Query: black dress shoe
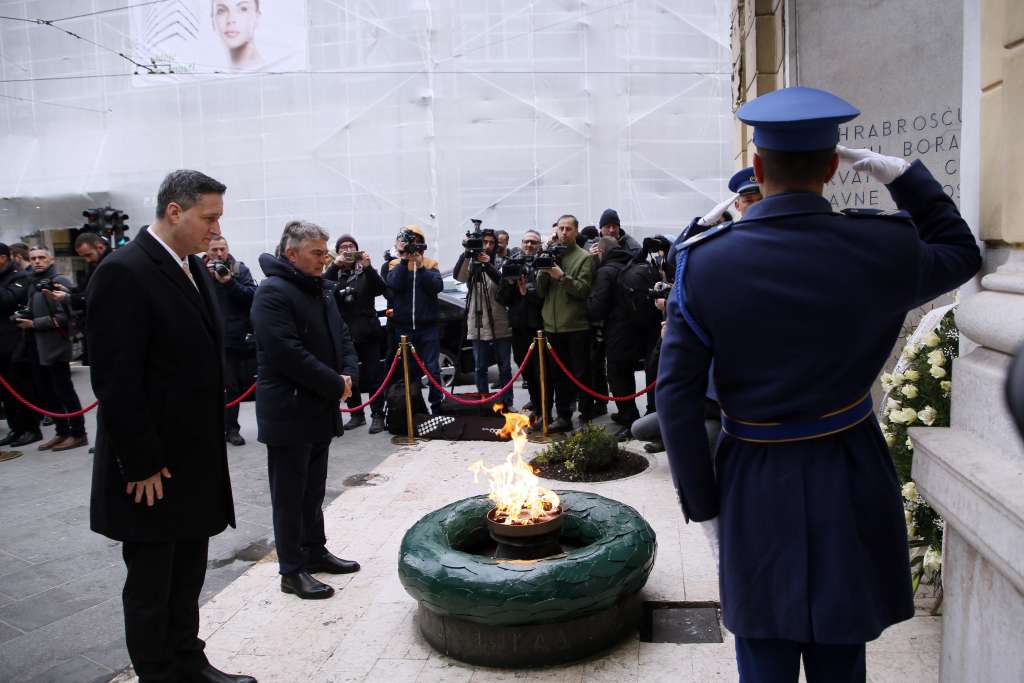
357, 420
329, 564
235, 439
26, 438
622, 419
654, 447
377, 424
10, 438
208, 674
560, 425
300, 583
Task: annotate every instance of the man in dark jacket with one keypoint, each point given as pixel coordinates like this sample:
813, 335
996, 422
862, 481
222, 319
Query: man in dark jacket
157, 372
307, 366
414, 282
46, 346
524, 314
14, 290
234, 289
359, 285
627, 339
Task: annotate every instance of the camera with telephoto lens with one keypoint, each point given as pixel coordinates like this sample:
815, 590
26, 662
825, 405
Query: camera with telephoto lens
220, 268
44, 285
411, 245
550, 257
660, 290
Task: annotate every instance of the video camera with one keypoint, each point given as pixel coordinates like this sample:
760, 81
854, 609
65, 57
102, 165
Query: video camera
550, 257
44, 285
516, 267
474, 242
411, 245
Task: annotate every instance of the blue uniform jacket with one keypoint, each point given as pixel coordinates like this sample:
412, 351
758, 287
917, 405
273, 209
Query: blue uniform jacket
801, 307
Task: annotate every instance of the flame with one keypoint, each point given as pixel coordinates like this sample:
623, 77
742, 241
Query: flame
514, 487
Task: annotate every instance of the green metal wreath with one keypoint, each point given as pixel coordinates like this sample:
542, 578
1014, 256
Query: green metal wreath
615, 557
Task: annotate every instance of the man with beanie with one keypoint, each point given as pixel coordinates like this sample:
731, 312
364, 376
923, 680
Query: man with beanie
610, 226
358, 286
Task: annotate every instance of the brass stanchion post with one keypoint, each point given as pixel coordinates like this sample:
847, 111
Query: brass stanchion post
408, 389
541, 352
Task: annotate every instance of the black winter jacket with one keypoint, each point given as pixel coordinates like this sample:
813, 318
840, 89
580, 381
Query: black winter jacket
51, 320
524, 311
303, 348
361, 314
608, 304
234, 300
14, 289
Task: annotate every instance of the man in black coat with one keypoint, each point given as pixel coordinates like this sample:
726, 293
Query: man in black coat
160, 476
359, 285
234, 288
14, 290
307, 366
524, 314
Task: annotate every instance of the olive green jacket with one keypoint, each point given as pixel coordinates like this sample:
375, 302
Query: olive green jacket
565, 300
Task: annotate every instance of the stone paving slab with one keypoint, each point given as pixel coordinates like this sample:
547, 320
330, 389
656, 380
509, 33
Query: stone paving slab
367, 631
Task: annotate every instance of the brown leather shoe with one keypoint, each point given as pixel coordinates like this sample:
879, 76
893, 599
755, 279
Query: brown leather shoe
71, 442
47, 445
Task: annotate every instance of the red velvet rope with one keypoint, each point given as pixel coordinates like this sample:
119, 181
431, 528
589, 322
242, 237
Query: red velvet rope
387, 378
24, 402
582, 387
489, 398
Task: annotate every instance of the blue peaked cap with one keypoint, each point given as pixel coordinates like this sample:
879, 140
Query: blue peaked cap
796, 119
743, 181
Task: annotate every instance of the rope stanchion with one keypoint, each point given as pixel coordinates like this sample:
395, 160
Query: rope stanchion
489, 398
404, 349
583, 387
387, 379
23, 401
543, 383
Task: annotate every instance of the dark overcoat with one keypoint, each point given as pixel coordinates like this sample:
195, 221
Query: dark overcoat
302, 347
801, 307
157, 370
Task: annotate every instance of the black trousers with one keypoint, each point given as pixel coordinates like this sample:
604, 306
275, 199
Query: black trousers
521, 340
56, 393
298, 481
19, 418
651, 373
573, 348
237, 378
371, 372
622, 378
161, 607
768, 660
598, 374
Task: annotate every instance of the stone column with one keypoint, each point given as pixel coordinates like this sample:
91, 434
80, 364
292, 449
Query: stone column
973, 472
757, 32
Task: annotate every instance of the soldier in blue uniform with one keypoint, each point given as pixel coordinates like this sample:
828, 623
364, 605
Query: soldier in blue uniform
799, 308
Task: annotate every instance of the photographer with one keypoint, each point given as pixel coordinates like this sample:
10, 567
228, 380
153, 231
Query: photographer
524, 304
359, 285
414, 282
46, 346
487, 323
14, 291
502, 251
234, 289
566, 271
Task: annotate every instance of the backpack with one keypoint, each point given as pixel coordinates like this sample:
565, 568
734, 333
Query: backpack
635, 282
394, 403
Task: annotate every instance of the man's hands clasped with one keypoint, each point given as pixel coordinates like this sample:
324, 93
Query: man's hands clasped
152, 488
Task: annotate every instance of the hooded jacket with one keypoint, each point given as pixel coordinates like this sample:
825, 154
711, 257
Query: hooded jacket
409, 287
303, 348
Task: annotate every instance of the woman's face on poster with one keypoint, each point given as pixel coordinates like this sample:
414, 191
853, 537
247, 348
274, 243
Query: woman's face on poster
236, 21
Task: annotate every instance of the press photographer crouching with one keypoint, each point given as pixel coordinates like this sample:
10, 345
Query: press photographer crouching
14, 291
518, 292
46, 346
487, 324
414, 282
566, 271
359, 285
234, 288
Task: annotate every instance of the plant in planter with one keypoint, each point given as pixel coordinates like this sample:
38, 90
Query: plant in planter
588, 454
918, 393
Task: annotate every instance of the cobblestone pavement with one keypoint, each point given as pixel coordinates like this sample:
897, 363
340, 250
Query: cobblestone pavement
60, 584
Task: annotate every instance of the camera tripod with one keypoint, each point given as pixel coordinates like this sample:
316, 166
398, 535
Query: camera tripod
477, 297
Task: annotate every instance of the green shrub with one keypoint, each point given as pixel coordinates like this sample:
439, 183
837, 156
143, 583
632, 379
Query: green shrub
588, 449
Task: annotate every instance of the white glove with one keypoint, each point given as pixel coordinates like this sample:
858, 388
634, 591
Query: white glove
880, 167
715, 214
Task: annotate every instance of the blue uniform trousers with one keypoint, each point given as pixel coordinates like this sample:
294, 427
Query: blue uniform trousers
771, 660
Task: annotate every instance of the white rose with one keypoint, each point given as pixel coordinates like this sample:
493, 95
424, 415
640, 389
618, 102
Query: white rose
889, 438
896, 416
909, 415
909, 351
910, 444
886, 381
946, 386
936, 357
897, 379
908, 516
932, 562
909, 390
931, 340
892, 404
937, 372
912, 375
927, 415
910, 491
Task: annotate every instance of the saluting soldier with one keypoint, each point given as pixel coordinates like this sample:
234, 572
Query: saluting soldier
799, 307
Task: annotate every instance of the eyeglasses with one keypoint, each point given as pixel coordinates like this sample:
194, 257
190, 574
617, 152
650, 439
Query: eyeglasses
531, 241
